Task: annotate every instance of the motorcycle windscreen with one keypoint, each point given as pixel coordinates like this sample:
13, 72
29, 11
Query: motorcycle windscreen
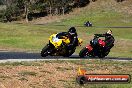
55, 41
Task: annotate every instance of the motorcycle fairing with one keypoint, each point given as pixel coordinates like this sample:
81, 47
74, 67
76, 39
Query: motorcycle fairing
101, 42
89, 47
57, 42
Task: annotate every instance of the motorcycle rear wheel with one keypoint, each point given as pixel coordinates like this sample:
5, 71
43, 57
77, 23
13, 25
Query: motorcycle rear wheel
104, 54
107, 52
69, 53
101, 56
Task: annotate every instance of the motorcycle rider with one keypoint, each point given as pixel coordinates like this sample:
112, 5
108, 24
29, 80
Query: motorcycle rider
88, 24
109, 39
72, 35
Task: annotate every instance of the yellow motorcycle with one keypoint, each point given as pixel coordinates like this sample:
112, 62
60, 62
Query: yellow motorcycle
57, 46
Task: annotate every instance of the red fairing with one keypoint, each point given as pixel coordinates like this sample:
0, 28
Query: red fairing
89, 47
101, 42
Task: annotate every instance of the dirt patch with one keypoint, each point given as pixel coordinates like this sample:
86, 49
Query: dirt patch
53, 74
48, 75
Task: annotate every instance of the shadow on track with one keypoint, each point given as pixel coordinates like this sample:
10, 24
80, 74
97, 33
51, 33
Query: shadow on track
24, 55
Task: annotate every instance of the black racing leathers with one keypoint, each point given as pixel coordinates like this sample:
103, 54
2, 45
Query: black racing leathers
73, 39
109, 39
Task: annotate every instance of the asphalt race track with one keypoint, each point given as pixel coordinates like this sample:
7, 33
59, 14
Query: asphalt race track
24, 56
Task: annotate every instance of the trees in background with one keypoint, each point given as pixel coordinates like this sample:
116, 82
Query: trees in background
1, 2
119, 0
29, 9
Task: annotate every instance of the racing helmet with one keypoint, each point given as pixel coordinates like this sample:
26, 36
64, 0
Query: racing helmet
72, 31
109, 32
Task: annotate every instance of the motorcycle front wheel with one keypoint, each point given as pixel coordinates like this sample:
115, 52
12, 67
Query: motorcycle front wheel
44, 51
83, 52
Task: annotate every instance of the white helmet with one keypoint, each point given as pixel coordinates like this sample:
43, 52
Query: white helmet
109, 32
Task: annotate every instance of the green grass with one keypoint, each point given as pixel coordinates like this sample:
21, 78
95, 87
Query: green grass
25, 36
3, 77
46, 72
27, 73
63, 69
35, 37
23, 79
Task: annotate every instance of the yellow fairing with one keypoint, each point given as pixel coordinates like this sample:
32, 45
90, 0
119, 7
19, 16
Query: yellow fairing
80, 41
57, 42
66, 40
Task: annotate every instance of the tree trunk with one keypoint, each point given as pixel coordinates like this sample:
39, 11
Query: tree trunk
56, 11
63, 12
26, 13
50, 10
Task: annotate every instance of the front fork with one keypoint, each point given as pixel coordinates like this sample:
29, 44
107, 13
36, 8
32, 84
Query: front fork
51, 48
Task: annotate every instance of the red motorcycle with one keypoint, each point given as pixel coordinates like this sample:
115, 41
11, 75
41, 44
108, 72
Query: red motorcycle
95, 48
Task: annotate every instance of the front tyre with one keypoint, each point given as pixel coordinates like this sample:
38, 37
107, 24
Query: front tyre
44, 51
83, 52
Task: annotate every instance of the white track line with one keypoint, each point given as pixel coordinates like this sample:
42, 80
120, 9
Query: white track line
19, 60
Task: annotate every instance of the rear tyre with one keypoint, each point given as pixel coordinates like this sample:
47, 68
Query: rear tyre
83, 52
107, 52
44, 51
72, 51
69, 53
101, 56
104, 54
